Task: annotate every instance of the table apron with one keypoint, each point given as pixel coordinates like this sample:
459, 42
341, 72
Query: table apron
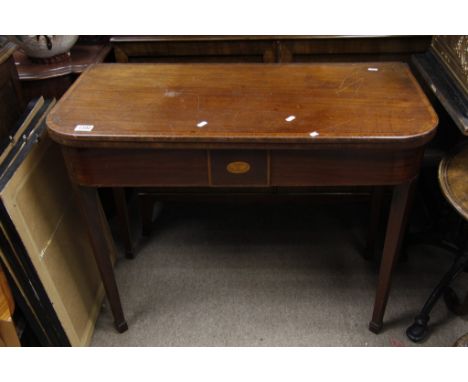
110, 167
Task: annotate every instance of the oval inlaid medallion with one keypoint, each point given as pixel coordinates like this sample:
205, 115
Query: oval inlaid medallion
238, 167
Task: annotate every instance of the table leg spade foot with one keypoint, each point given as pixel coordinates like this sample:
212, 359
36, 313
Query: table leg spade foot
375, 327
121, 326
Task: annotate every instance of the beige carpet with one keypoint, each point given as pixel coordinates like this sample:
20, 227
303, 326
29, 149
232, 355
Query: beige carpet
278, 275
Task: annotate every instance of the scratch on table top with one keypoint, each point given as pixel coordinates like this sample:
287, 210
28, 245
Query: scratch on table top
338, 124
350, 82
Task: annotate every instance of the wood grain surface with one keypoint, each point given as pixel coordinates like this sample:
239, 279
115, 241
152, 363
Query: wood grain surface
112, 167
211, 103
292, 48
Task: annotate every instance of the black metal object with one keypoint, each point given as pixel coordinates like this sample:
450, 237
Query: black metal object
419, 329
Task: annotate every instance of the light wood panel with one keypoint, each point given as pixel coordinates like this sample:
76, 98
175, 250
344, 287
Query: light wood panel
39, 200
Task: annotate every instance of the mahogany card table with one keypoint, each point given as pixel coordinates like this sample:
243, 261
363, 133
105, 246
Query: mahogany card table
267, 126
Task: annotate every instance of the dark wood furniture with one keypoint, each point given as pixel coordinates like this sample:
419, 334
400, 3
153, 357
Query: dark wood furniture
453, 176
267, 48
11, 98
267, 127
444, 86
443, 71
51, 80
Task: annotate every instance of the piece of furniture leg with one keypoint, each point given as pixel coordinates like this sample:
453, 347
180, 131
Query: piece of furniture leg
100, 236
418, 330
123, 221
395, 229
375, 225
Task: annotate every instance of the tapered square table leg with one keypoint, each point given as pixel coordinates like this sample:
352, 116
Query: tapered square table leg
401, 201
103, 246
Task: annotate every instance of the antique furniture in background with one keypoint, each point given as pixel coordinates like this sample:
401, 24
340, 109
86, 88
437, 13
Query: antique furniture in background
15, 120
51, 80
453, 177
453, 52
447, 93
268, 127
11, 99
443, 71
267, 48
444, 68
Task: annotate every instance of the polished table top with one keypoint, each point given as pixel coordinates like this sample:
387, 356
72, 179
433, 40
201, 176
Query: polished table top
289, 103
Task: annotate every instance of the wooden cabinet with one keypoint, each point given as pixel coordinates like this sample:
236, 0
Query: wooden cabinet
267, 48
350, 48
